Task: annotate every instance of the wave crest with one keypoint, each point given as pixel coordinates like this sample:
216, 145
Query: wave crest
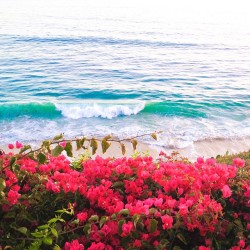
108, 111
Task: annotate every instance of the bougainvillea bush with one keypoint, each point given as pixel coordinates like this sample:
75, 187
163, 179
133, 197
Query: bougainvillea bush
50, 202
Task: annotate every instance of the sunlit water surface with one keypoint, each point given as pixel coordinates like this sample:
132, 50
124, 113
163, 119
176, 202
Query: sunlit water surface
124, 67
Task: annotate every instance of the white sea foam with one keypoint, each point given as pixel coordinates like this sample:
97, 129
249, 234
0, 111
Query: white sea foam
103, 110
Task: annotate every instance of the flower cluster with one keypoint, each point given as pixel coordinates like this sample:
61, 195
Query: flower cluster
124, 203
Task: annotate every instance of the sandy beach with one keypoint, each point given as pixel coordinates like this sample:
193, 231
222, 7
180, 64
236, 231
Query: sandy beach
205, 148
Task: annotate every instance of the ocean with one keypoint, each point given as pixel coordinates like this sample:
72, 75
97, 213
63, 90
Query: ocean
124, 68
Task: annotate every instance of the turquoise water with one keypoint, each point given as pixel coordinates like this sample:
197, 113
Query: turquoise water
95, 68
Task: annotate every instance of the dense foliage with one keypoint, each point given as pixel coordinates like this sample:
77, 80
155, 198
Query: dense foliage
50, 202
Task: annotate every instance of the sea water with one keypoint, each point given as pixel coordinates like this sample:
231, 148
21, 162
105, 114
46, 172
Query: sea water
124, 68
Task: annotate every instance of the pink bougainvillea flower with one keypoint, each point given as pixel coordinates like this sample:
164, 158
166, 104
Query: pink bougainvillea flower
19, 144
63, 144
247, 193
10, 146
137, 243
226, 191
208, 242
210, 161
200, 160
239, 162
204, 248
235, 248
127, 228
13, 197
156, 243
144, 192
97, 246
82, 216
74, 245
158, 202
167, 221
241, 243
106, 230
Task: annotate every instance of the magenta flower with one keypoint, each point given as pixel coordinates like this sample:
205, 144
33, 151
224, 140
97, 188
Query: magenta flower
167, 221
10, 146
13, 197
239, 162
63, 144
82, 216
19, 144
226, 191
74, 245
127, 228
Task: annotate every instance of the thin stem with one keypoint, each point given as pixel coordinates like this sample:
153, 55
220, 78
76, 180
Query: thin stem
72, 230
89, 139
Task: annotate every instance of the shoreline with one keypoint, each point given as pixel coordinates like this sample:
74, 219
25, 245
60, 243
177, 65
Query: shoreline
213, 147
205, 148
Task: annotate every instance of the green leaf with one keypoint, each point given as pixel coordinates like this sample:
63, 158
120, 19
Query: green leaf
120, 223
178, 224
75, 222
107, 137
118, 184
87, 229
134, 143
56, 247
136, 219
12, 161
69, 149
93, 145
153, 225
22, 230
46, 144
103, 220
2, 184
105, 145
79, 144
53, 220
48, 241
37, 234
58, 137
229, 227
124, 212
17, 167
41, 158
164, 243
181, 238
43, 227
35, 245
238, 223
152, 210
93, 218
20, 246
54, 232
123, 148
113, 216
154, 136
61, 211
24, 148
10, 215
57, 150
